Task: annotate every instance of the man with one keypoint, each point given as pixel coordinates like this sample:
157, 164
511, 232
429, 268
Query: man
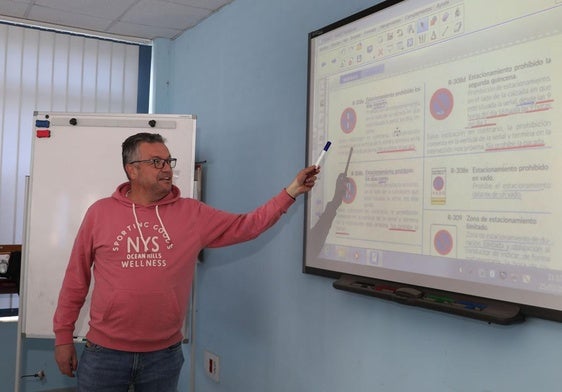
142, 244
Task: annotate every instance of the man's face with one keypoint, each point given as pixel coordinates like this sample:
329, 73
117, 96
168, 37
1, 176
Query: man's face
151, 182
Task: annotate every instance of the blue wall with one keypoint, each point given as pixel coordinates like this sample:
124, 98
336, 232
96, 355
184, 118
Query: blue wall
37, 354
8, 334
243, 73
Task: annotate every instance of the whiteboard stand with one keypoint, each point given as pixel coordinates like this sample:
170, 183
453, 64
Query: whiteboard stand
19, 341
197, 194
88, 147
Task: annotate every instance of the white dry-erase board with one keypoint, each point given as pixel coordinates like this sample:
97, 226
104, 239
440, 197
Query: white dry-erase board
76, 160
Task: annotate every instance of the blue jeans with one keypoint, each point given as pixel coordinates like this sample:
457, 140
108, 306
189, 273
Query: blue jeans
101, 369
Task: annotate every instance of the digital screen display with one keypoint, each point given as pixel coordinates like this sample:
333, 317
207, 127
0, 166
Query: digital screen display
446, 143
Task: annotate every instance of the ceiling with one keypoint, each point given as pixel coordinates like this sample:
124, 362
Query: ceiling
142, 19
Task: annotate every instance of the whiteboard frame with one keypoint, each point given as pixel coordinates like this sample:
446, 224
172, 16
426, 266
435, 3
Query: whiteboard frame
123, 124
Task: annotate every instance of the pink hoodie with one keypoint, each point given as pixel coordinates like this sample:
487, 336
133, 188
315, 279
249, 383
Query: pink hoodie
143, 261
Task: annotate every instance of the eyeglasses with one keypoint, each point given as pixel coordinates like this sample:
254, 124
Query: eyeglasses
158, 163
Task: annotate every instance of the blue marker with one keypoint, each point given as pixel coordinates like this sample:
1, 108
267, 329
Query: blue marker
326, 147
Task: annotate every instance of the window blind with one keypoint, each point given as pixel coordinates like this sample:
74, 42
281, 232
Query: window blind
42, 70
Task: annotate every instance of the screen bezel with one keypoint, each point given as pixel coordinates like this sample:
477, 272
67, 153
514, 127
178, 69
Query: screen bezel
529, 309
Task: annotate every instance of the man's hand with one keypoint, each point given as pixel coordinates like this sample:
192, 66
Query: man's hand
303, 182
65, 355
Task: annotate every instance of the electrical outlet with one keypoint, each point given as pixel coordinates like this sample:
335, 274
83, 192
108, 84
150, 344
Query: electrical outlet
211, 363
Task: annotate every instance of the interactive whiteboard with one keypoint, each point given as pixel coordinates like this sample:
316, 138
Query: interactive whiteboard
446, 134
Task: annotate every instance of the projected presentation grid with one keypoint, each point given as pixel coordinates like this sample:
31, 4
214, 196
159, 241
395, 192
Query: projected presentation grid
451, 114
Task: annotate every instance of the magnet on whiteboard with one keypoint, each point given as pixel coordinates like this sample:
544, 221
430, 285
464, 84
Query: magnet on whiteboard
43, 133
42, 123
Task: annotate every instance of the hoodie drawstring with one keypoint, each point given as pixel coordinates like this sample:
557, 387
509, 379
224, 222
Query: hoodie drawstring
162, 226
137, 222
166, 235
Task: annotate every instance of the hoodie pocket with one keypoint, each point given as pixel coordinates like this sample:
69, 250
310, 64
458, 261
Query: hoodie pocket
142, 315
